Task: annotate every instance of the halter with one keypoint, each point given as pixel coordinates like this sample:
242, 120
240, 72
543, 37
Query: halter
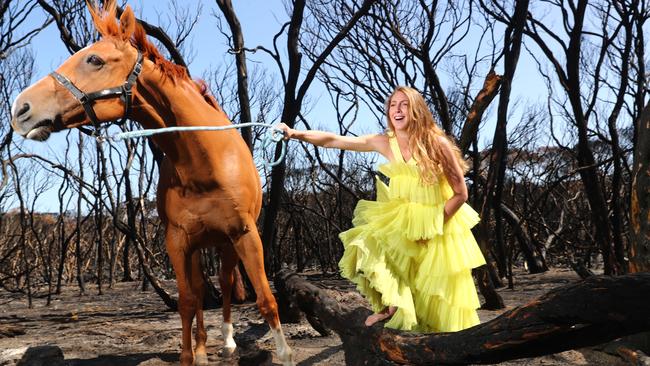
124, 92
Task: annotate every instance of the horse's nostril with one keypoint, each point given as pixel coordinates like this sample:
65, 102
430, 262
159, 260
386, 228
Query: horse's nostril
24, 109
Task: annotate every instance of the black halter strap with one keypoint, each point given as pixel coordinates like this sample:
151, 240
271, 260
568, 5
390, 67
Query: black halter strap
124, 92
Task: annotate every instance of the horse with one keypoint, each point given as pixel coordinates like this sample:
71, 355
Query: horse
209, 191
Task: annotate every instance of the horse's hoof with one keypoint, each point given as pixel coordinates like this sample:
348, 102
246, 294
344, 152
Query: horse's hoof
289, 363
200, 360
186, 360
287, 359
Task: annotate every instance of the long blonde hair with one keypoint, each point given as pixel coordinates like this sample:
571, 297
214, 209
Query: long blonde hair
423, 133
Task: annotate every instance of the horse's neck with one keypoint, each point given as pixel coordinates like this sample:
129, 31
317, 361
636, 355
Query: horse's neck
166, 104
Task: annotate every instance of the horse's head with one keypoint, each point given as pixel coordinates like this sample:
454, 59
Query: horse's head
92, 86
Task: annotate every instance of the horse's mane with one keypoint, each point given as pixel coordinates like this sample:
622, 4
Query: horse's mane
203, 88
105, 21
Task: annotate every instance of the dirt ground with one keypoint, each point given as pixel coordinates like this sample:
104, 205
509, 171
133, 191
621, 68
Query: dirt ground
128, 327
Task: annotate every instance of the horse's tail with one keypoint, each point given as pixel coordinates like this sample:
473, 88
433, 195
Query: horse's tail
238, 288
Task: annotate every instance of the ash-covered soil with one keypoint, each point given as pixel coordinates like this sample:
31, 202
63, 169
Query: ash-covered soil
126, 326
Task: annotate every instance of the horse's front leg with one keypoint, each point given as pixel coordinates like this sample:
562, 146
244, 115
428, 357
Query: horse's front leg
229, 261
177, 245
198, 289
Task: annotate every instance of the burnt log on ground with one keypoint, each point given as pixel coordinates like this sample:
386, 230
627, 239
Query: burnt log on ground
590, 312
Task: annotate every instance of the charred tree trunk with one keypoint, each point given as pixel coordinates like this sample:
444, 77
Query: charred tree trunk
617, 180
487, 275
293, 97
131, 231
242, 72
23, 235
289, 114
499, 158
470, 129
127, 276
79, 222
99, 216
481, 102
640, 205
64, 243
639, 246
437, 91
535, 261
589, 312
586, 160
114, 244
570, 79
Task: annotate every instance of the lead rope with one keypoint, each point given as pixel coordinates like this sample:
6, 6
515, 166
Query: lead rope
275, 135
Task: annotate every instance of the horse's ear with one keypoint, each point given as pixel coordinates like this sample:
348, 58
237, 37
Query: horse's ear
127, 23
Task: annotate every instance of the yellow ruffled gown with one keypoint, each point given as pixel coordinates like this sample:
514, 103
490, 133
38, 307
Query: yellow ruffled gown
401, 253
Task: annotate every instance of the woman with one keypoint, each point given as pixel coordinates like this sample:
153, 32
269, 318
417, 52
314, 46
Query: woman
411, 251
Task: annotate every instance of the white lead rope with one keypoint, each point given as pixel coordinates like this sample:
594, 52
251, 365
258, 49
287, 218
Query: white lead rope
275, 135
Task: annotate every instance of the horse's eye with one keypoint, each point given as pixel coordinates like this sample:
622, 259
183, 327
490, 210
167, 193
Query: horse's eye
94, 60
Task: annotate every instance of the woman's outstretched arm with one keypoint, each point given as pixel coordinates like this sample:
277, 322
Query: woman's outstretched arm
376, 142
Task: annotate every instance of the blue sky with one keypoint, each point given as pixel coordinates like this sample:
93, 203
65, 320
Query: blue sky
208, 50
260, 20
209, 45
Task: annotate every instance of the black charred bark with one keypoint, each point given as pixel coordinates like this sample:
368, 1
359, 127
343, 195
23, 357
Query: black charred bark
589, 312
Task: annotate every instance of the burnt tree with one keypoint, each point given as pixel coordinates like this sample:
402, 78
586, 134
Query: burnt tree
640, 205
237, 48
574, 80
589, 312
294, 96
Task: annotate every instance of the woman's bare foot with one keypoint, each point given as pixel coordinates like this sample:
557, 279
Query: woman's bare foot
383, 315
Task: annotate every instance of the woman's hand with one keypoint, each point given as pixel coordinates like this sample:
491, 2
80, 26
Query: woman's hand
288, 131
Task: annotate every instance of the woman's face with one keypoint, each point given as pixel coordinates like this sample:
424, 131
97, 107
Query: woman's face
398, 111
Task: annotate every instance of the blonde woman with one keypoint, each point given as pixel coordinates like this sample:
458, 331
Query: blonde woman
411, 251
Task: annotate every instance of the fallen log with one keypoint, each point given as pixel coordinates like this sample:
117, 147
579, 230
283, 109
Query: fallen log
589, 312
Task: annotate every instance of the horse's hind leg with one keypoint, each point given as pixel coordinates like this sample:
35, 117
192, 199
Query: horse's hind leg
249, 248
177, 245
229, 260
198, 289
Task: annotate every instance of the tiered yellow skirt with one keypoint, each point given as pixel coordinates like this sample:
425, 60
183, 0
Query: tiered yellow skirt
401, 253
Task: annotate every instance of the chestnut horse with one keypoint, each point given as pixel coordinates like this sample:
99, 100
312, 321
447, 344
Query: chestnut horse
209, 193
